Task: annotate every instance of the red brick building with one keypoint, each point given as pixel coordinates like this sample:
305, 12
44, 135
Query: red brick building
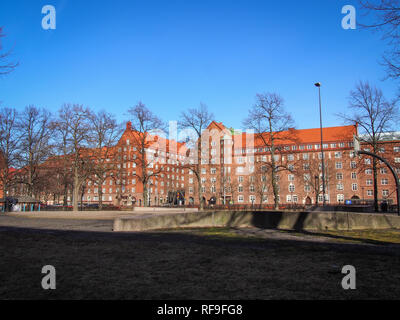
234, 169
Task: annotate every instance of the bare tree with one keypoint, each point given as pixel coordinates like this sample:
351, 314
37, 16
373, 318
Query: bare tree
272, 125
106, 133
196, 120
310, 174
9, 140
5, 65
35, 146
75, 126
258, 181
144, 126
118, 172
385, 19
375, 115
61, 162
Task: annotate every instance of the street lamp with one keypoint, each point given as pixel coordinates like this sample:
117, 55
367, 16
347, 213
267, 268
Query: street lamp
317, 189
318, 85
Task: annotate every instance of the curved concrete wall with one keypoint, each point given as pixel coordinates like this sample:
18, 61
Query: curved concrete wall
263, 219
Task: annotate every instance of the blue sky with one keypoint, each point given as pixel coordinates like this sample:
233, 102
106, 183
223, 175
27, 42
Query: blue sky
172, 55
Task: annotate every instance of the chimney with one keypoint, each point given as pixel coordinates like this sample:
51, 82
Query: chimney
129, 125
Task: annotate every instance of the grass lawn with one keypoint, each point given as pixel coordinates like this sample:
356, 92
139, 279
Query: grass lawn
196, 264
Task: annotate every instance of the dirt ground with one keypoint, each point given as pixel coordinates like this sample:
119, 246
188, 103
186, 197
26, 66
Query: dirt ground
92, 263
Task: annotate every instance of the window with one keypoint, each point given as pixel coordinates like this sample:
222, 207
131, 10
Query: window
396, 149
305, 156
291, 187
383, 170
339, 176
354, 175
384, 181
241, 198
307, 188
353, 165
338, 155
368, 171
370, 193
240, 189
290, 157
339, 186
385, 193
252, 188
240, 179
339, 165
291, 177
252, 199
340, 197
397, 160
369, 182
213, 170
354, 187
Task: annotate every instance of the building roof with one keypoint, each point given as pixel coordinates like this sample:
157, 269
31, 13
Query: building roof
299, 136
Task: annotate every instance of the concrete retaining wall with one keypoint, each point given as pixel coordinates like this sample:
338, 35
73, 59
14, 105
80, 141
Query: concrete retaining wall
163, 209
272, 219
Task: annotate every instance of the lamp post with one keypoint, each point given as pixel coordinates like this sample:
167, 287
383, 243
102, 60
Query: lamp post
318, 85
363, 199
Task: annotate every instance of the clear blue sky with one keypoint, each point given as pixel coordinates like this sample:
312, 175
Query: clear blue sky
172, 55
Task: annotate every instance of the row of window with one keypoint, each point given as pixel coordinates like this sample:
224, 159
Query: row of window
295, 147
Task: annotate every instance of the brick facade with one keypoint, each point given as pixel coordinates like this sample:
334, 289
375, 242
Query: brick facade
233, 170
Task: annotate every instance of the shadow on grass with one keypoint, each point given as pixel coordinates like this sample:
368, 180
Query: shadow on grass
169, 236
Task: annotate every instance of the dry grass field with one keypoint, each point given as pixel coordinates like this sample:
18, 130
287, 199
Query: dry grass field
198, 264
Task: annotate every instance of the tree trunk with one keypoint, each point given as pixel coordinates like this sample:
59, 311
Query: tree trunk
201, 204
100, 193
375, 173
273, 179
75, 190
145, 195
